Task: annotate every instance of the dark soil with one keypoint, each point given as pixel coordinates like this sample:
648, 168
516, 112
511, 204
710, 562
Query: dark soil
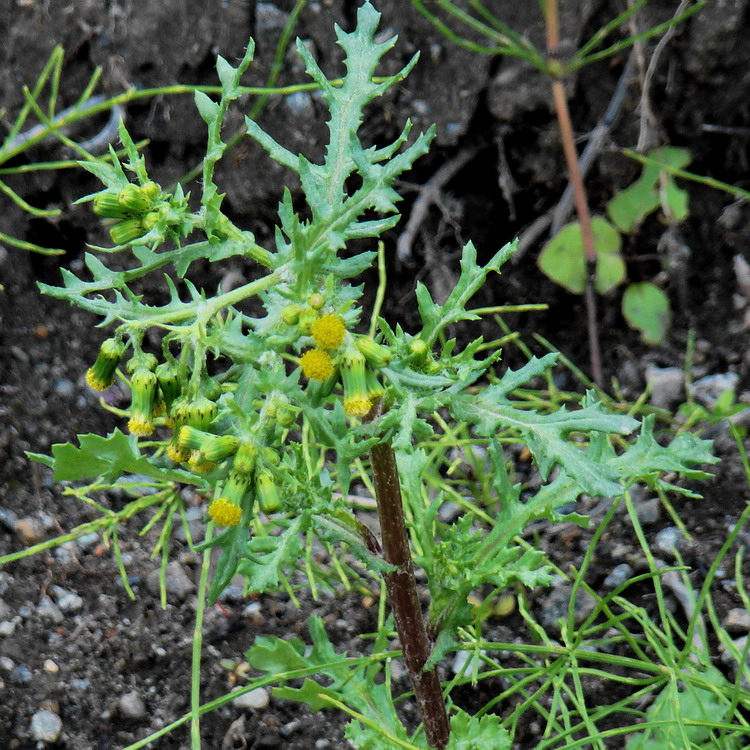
80, 665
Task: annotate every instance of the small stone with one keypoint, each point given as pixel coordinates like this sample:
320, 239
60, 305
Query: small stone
737, 620
177, 582
50, 611
668, 540
667, 385
7, 628
707, 390
88, 541
50, 666
46, 726
81, 684
257, 699
21, 674
6, 663
64, 388
8, 519
29, 530
649, 511
69, 603
5, 611
617, 576
555, 607
131, 706
66, 553
465, 661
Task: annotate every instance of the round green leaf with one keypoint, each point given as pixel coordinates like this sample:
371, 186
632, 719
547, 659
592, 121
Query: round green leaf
562, 260
647, 309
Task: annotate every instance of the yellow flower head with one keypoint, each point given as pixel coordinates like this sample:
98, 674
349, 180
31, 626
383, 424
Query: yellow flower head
177, 454
223, 512
357, 406
316, 364
329, 331
140, 425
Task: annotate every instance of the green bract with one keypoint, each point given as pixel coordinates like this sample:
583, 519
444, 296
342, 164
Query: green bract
258, 431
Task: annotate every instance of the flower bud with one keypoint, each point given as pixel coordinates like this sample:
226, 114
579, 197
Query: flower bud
143, 387
376, 354
270, 456
268, 493
107, 205
354, 376
226, 509
316, 301
244, 459
290, 314
101, 374
306, 320
126, 231
170, 385
142, 360
200, 412
151, 191
135, 200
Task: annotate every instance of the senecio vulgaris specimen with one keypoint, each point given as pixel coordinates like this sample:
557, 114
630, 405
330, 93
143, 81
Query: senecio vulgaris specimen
302, 385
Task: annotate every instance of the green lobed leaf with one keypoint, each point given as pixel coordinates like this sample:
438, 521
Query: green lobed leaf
109, 457
477, 733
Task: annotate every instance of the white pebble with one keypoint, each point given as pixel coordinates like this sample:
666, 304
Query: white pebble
256, 699
46, 726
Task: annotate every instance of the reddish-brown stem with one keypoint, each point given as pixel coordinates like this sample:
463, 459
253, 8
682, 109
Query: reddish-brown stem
579, 189
403, 596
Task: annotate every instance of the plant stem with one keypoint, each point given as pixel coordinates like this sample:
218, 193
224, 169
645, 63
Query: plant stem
552, 18
403, 596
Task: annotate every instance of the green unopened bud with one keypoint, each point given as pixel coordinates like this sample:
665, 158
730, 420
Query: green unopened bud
134, 200
244, 459
143, 387
354, 376
376, 354
418, 351
290, 314
213, 448
101, 374
142, 361
268, 493
170, 384
151, 190
316, 301
107, 205
270, 456
306, 320
150, 220
126, 231
375, 390
192, 439
200, 412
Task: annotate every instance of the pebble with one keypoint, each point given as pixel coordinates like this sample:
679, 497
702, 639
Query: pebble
29, 530
88, 541
6, 663
21, 674
668, 540
131, 706
8, 519
449, 512
81, 684
257, 699
66, 553
50, 666
555, 606
737, 620
649, 511
618, 575
667, 385
177, 582
5, 611
46, 726
7, 628
465, 661
50, 611
707, 390
69, 603
63, 387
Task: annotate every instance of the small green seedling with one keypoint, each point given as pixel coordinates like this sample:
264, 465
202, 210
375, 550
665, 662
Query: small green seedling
645, 306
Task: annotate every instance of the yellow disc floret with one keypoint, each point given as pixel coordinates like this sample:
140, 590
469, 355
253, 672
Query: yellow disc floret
223, 512
357, 406
316, 364
329, 331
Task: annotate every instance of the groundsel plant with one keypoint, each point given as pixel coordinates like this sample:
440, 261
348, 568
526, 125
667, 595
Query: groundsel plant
270, 415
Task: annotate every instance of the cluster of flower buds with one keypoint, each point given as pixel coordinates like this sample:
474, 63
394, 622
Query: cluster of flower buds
135, 209
248, 477
101, 374
352, 359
